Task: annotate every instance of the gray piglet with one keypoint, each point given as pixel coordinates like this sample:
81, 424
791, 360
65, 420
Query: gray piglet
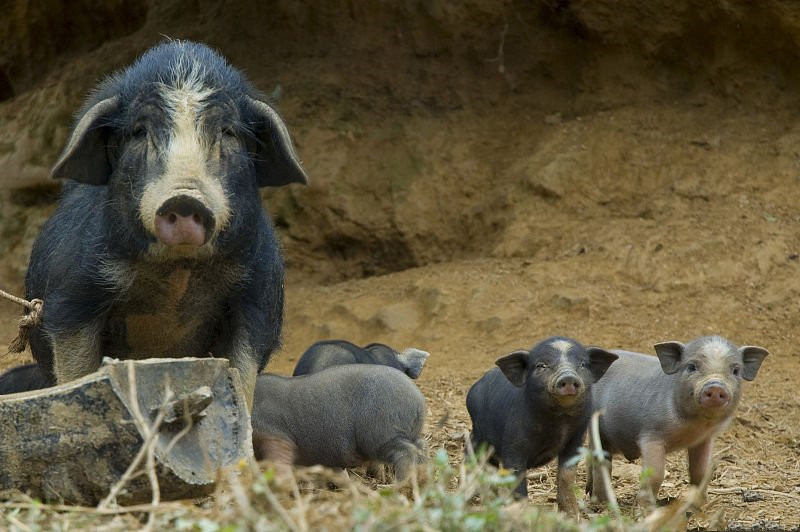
680, 400
343, 416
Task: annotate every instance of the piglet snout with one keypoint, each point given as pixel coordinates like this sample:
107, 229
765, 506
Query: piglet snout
183, 220
714, 395
568, 384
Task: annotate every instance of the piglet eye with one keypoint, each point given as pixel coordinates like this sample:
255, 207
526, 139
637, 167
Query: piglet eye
228, 132
541, 365
139, 132
691, 367
736, 371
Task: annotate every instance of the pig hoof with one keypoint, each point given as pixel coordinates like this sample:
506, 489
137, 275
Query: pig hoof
378, 472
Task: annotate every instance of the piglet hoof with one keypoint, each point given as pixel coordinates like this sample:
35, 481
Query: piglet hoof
377, 471
698, 495
568, 505
521, 494
646, 499
598, 496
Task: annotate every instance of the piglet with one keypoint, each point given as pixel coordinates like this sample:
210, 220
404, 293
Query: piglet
327, 353
535, 406
343, 416
680, 400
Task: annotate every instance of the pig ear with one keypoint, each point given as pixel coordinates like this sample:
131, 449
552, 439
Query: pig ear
752, 356
670, 354
413, 360
275, 159
514, 366
600, 360
85, 159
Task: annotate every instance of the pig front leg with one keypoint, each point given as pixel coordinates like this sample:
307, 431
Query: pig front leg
245, 359
653, 458
565, 495
518, 464
240, 347
594, 480
594, 474
700, 462
565, 477
253, 334
76, 352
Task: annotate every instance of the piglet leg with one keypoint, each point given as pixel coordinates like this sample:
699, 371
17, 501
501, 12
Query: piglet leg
700, 462
275, 449
518, 465
566, 495
653, 456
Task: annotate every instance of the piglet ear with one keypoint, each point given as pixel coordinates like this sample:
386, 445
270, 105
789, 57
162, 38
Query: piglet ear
669, 354
600, 360
752, 356
515, 367
85, 159
276, 161
413, 360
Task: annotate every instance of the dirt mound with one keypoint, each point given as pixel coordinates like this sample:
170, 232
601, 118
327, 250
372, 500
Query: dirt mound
485, 174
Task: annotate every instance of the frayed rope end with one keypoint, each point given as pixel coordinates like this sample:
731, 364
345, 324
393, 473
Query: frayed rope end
32, 319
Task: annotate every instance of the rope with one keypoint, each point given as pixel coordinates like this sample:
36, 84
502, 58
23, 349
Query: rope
32, 319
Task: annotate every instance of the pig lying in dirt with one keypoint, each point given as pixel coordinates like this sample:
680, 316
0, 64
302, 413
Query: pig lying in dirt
535, 406
680, 400
329, 353
160, 246
343, 416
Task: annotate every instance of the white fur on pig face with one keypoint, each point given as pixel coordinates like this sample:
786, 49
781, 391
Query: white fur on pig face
715, 360
562, 347
186, 158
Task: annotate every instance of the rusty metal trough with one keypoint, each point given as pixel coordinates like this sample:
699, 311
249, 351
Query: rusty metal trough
72, 443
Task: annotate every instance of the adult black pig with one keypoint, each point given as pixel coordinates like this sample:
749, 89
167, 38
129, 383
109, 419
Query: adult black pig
160, 247
535, 406
327, 353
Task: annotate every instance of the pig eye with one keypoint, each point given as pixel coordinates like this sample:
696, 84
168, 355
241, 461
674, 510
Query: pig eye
691, 367
139, 132
228, 133
541, 365
736, 371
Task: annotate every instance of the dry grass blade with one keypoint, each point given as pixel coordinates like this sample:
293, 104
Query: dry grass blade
598, 456
147, 450
741, 490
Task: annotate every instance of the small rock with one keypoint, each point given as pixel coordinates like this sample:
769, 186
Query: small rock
751, 496
706, 143
553, 119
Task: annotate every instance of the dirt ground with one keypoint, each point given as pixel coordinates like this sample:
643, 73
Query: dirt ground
710, 250
503, 198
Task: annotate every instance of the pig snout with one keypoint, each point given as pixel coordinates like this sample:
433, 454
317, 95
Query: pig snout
184, 220
568, 384
714, 395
